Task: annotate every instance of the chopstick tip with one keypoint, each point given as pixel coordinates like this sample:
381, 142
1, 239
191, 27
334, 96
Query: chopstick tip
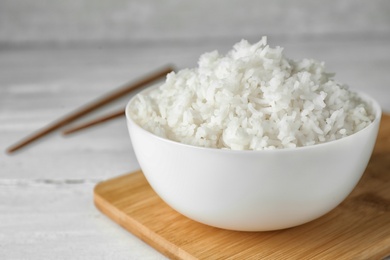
90, 107
10, 150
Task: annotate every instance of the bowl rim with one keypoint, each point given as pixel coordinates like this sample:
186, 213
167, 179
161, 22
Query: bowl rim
377, 112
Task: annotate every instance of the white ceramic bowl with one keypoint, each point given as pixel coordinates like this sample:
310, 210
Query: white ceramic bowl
254, 190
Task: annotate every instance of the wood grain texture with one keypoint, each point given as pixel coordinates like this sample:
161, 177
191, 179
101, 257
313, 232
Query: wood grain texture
359, 228
46, 208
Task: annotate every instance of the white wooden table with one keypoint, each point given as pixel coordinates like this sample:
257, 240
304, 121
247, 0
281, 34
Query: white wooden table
46, 207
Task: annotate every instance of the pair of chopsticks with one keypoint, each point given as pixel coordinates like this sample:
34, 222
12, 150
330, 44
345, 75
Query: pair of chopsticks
93, 105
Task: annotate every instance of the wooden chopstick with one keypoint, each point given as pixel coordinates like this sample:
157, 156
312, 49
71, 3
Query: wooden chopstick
105, 99
93, 122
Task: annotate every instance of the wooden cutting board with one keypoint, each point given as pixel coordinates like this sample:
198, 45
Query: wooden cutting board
359, 228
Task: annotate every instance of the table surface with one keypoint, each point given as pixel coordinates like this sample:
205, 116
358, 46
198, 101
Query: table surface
46, 207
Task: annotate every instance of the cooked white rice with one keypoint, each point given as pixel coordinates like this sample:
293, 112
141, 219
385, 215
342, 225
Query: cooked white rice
251, 99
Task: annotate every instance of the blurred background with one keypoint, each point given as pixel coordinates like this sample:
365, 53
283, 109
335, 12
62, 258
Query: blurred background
151, 32
43, 22
55, 56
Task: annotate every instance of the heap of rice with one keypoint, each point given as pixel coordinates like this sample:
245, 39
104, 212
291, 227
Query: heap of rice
251, 99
